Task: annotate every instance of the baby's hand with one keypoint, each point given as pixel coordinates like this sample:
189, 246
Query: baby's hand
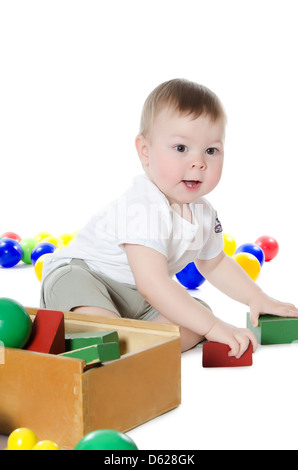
237, 338
265, 304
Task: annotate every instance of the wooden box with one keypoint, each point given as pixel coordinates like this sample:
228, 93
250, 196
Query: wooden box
56, 398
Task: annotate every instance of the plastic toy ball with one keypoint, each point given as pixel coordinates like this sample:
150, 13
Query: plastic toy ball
249, 263
106, 439
269, 245
21, 439
190, 277
10, 252
229, 244
12, 235
253, 249
42, 235
54, 240
46, 445
41, 249
15, 323
27, 245
65, 238
38, 267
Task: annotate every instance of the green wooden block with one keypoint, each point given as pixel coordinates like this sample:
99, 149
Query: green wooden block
255, 330
274, 330
81, 340
95, 353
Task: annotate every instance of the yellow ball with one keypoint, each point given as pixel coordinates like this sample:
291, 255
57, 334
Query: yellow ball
41, 235
230, 244
55, 240
22, 439
39, 265
249, 263
46, 445
65, 238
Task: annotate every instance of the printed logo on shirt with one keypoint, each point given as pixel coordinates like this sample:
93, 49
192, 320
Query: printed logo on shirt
217, 227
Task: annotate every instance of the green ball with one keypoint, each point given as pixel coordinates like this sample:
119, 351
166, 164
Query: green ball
15, 324
27, 245
106, 439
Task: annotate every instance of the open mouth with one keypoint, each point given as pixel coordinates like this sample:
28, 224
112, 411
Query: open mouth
192, 184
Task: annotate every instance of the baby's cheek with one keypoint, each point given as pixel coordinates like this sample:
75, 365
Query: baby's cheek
214, 177
170, 173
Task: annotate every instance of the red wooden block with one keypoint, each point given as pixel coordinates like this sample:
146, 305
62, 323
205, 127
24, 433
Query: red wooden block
216, 355
48, 333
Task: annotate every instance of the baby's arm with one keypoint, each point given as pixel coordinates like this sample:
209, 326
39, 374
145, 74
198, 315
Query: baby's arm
152, 279
226, 274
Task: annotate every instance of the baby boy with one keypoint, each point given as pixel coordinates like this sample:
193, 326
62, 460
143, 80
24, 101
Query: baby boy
122, 263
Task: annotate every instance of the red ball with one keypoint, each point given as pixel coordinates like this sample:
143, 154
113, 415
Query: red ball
12, 235
269, 245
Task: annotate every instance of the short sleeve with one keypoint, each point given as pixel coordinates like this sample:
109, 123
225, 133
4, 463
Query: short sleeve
213, 242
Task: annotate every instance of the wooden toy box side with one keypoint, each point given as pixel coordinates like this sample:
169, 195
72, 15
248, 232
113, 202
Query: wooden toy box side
58, 400
42, 392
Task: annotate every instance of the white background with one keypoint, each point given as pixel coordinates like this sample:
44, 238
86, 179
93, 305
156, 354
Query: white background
73, 79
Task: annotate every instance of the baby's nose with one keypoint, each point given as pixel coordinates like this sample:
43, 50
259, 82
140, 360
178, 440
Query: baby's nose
199, 163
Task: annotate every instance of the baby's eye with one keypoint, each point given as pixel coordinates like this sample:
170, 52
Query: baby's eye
211, 151
181, 148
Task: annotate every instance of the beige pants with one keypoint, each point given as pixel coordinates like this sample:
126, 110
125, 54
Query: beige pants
75, 285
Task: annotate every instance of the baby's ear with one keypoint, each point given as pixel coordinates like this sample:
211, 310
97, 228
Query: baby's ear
142, 149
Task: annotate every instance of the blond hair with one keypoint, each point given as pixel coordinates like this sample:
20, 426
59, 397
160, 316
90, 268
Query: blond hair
182, 96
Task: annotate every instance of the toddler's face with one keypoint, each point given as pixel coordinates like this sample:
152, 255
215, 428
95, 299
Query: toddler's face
183, 156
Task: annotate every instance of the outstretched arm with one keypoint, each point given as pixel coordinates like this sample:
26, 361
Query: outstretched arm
168, 297
226, 275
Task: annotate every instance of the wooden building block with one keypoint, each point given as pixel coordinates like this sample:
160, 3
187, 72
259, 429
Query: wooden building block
48, 333
216, 355
81, 340
90, 354
274, 330
95, 353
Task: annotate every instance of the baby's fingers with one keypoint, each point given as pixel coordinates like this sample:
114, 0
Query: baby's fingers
235, 348
252, 339
286, 310
243, 339
243, 343
272, 307
254, 317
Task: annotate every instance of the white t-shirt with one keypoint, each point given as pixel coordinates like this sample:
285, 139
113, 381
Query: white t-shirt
142, 216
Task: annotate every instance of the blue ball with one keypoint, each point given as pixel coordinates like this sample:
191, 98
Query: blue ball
253, 249
190, 277
10, 252
41, 249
